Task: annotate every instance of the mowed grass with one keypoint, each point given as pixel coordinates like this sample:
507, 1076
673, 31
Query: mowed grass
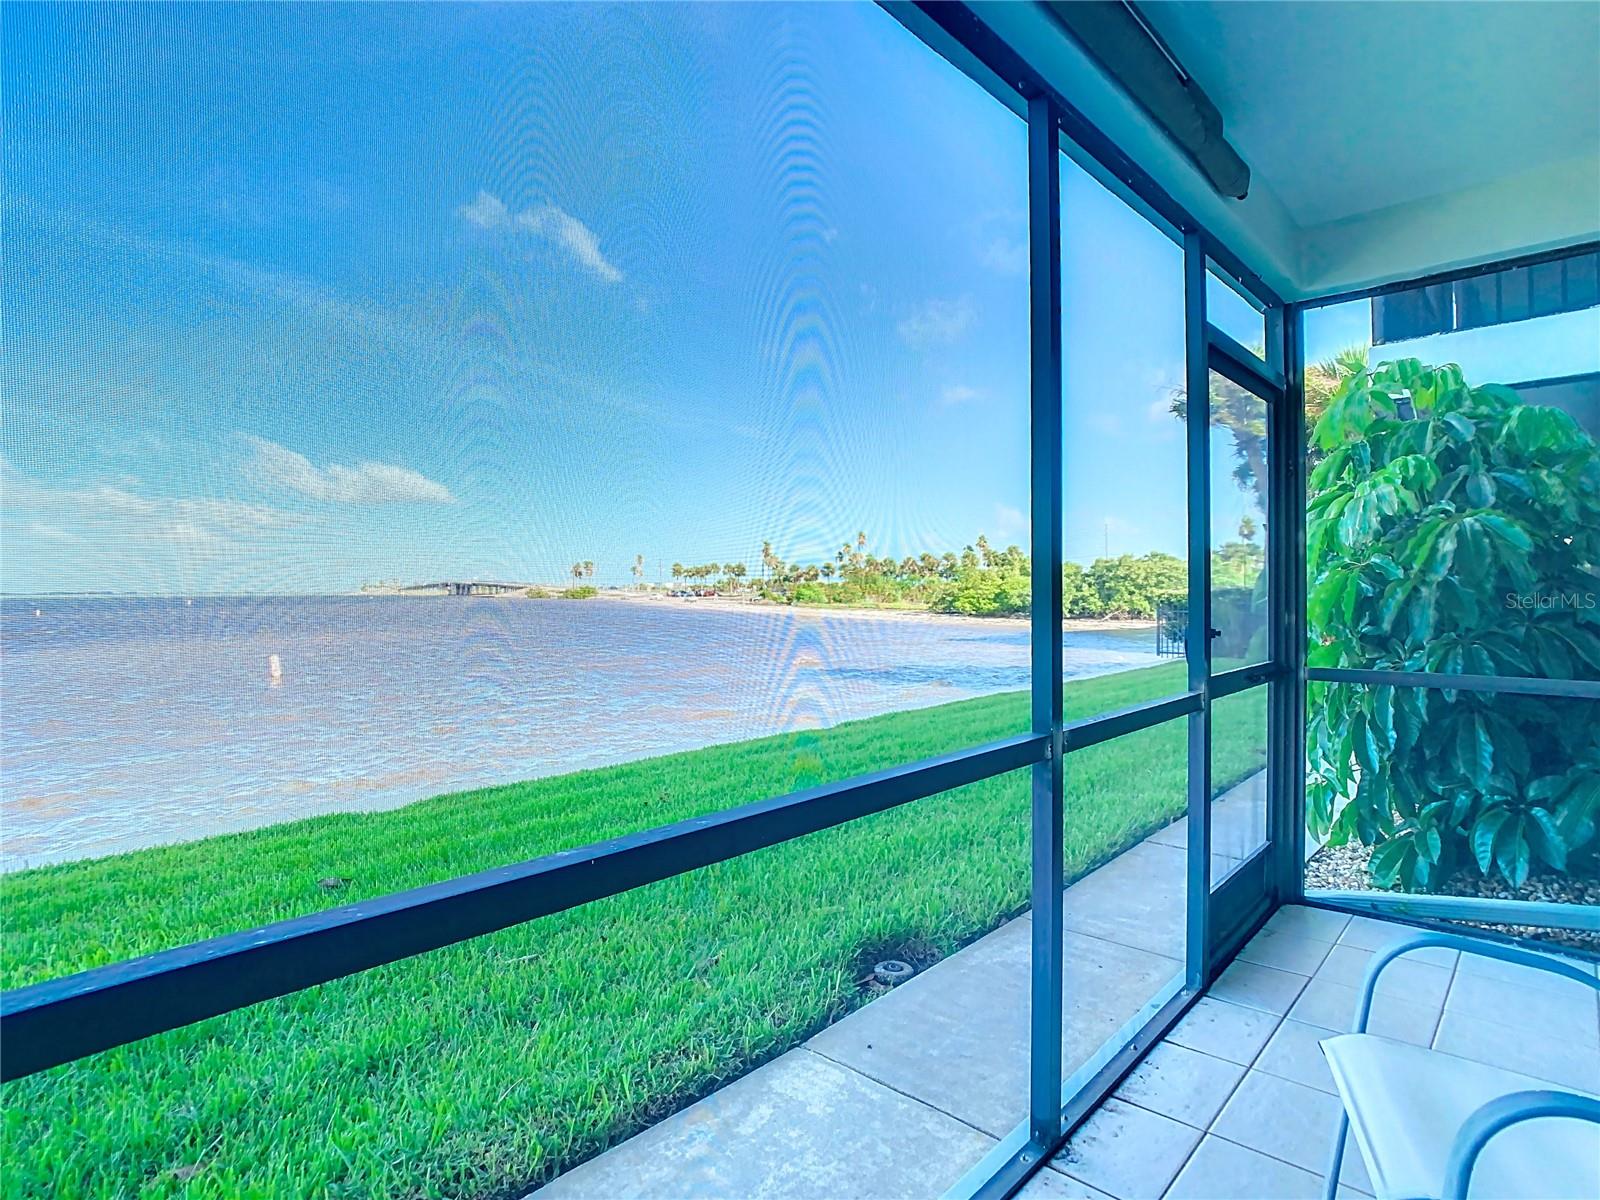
488, 1067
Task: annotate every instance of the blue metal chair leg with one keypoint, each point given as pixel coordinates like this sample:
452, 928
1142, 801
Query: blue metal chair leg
1331, 1188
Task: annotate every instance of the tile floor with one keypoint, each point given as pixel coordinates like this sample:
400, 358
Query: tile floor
1243, 1075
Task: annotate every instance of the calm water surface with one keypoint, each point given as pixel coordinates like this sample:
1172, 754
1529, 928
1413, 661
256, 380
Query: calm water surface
131, 723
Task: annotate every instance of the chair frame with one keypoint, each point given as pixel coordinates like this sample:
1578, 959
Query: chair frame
1502, 1111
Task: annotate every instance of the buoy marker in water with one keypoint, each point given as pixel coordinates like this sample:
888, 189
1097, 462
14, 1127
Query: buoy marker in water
274, 667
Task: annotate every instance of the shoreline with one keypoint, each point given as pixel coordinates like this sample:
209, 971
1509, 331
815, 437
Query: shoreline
918, 615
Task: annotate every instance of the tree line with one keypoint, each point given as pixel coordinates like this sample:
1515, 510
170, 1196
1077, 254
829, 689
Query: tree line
979, 580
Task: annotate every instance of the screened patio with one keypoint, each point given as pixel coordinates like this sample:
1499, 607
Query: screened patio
1086, 944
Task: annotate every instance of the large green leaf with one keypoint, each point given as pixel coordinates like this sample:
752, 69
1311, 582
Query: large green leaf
1380, 719
1546, 839
1484, 832
1368, 752
1458, 427
1511, 852
1388, 859
1507, 531
1578, 813
1474, 750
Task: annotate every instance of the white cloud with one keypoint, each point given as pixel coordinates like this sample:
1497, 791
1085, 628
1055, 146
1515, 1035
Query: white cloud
364, 483
938, 322
959, 393
1005, 256
1000, 240
486, 212
548, 223
115, 518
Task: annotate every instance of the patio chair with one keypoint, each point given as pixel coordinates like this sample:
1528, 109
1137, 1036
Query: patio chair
1424, 1119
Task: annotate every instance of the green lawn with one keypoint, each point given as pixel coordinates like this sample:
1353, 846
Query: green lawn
485, 1068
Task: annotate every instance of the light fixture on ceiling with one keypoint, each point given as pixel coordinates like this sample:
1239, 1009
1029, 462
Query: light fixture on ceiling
1121, 38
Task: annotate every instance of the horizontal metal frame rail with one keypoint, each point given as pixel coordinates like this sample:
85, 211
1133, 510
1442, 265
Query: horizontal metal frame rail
49, 1023
1541, 914
1242, 679
1452, 276
1566, 689
1091, 731
1079, 735
1239, 364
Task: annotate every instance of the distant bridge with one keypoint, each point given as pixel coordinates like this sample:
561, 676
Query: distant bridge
469, 587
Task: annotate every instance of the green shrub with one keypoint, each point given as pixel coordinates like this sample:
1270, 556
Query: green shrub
1463, 541
977, 591
537, 593
581, 592
1126, 586
810, 593
1077, 597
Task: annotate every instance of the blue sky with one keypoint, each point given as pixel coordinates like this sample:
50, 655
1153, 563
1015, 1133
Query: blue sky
477, 292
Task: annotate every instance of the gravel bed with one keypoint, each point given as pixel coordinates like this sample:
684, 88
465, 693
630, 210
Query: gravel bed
1344, 868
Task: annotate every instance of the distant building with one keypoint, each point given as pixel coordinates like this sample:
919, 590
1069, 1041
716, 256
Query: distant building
1536, 328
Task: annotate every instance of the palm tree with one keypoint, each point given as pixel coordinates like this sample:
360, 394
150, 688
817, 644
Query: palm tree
638, 570
677, 571
577, 571
1243, 414
1324, 378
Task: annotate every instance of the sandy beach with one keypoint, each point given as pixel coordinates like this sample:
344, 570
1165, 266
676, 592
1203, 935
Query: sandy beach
916, 615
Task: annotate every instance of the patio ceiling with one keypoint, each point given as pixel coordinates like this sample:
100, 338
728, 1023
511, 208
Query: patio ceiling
1384, 141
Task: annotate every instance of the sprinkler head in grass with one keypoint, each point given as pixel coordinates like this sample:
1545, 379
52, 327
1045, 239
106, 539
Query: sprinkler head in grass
892, 971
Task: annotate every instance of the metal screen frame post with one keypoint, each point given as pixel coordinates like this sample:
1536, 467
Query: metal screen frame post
1292, 804
1044, 309
1197, 375
1286, 566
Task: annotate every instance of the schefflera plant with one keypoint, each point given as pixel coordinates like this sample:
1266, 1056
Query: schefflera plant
1452, 529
